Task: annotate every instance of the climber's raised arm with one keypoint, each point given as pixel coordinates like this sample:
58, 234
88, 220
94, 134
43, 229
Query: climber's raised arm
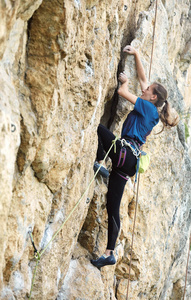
140, 70
124, 91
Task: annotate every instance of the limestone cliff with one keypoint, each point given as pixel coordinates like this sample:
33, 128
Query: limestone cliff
58, 79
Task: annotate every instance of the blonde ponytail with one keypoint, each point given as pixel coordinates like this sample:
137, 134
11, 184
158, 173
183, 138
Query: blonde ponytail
168, 115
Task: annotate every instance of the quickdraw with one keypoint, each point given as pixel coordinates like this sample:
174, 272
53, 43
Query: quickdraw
132, 145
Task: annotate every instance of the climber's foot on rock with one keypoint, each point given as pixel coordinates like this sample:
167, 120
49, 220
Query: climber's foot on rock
104, 260
102, 171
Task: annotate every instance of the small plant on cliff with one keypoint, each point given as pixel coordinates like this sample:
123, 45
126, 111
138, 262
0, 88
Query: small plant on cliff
186, 116
186, 131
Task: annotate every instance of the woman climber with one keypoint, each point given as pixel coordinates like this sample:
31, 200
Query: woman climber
148, 108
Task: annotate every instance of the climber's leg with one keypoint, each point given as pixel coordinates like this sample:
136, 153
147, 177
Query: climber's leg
114, 195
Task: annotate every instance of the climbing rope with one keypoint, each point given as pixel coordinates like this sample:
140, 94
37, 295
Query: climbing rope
38, 255
34, 275
189, 249
136, 205
154, 29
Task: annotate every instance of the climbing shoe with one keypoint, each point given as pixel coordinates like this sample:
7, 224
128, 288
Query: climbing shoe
102, 171
104, 260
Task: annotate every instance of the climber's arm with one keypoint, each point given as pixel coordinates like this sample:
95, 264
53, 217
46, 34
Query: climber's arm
139, 66
123, 90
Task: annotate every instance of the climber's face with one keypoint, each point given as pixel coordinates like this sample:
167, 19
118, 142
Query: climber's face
148, 95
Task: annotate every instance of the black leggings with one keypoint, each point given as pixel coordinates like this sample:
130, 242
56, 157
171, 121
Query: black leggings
116, 182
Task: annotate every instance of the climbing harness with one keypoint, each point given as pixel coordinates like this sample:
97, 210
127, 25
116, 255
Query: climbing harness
122, 157
134, 146
37, 254
143, 158
121, 174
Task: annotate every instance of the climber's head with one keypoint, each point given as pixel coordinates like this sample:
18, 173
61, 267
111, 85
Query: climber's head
155, 93
161, 94
149, 94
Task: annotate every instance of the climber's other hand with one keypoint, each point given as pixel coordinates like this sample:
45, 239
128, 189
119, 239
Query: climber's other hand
123, 77
129, 49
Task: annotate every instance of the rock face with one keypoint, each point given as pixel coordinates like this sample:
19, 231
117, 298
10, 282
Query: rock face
58, 78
